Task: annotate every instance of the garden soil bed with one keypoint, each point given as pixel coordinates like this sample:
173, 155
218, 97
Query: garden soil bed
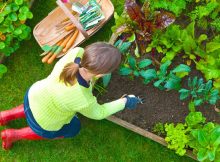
160, 106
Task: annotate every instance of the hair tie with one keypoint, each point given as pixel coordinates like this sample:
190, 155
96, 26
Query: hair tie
77, 60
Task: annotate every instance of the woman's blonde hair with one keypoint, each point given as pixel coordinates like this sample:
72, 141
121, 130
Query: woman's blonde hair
98, 58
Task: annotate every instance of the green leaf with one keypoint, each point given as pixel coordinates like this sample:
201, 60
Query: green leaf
3, 70
2, 45
169, 56
136, 73
106, 79
148, 49
216, 84
176, 48
22, 17
1, 18
159, 49
194, 82
214, 97
19, 2
203, 138
7, 9
149, 74
164, 66
144, 63
125, 71
124, 47
116, 16
29, 15
208, 85
132, 38
158, 83
211, 155
172, 83
212, 46
191, 106
202, 154
136, 51
181, 68
14, 7
132, 62
202, 37
215, 136
190, 29
24, 9
184, 93
198, 102
182, 74
194, 118
17, 31
117, 43
13, 16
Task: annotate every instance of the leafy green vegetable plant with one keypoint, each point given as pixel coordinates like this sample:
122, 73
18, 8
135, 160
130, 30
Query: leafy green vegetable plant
139, 20
13, 14
199, 92
195, 119
164, 79
209, 65
206, 14
134, 68
177, 137
159, 128
12, 27
175, 40
123, 46
195, 133
172, 79
175, 6
206, 142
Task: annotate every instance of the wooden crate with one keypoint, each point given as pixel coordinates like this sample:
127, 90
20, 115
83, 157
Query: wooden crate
45, 31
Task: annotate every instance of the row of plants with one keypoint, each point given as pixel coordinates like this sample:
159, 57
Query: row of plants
151, 35
196, 134
13, 15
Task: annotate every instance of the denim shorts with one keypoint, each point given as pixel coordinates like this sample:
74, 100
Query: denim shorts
68, 130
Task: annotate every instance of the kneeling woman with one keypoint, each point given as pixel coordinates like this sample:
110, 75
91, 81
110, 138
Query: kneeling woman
51, 104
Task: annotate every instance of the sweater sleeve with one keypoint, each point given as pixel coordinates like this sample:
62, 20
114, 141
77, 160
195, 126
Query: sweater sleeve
98, 112
69, 57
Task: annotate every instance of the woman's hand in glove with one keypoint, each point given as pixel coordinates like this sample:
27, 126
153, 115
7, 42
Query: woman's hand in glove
132, 101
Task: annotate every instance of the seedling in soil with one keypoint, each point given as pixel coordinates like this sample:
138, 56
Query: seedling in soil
136, 69
172, 79
159, 129
199, 93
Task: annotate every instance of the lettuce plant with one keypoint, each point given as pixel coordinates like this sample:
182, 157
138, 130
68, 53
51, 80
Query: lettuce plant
206, 142
177, 137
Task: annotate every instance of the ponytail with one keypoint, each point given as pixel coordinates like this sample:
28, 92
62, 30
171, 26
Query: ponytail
97, 58
68, 75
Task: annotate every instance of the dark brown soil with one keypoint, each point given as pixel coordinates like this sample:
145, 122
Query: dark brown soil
160, 106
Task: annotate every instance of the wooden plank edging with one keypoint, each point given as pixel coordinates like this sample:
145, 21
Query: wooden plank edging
144, 133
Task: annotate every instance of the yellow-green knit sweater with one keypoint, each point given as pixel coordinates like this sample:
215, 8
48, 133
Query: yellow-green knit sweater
54, 104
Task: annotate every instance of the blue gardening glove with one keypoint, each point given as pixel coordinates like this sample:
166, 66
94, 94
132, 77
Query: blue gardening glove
132, 101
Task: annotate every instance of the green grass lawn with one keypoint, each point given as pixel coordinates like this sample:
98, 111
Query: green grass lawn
97, 141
